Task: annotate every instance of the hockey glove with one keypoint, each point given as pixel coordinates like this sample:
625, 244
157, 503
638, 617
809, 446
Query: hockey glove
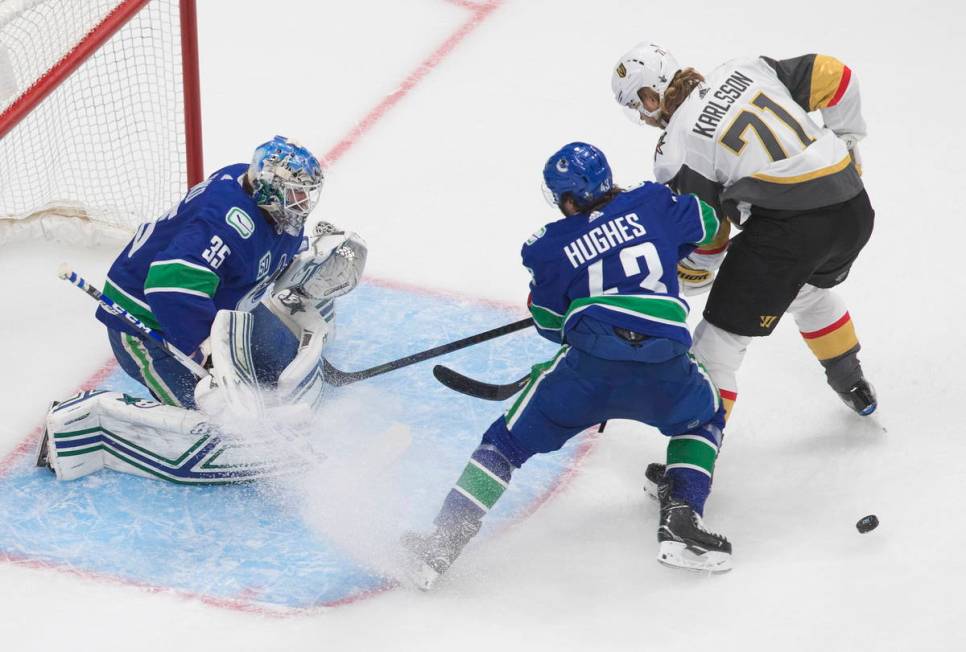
330, 267
696, 271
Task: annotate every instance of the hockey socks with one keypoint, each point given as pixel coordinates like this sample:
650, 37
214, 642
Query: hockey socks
483, 481
481, 484
836, 347
690, 465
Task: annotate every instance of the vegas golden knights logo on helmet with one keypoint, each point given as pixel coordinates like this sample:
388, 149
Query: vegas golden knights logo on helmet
621, 71
767, 320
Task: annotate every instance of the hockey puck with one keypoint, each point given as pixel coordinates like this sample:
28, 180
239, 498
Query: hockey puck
867, 523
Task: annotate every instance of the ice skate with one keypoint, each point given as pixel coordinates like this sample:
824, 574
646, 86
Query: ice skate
42, 461
656, 484
42, 453
861, 398
684, 542
432, 554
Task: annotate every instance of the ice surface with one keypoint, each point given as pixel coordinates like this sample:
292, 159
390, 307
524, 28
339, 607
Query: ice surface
445, 188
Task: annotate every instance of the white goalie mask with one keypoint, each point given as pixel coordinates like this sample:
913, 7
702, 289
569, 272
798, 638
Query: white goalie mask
286, 181
646, 65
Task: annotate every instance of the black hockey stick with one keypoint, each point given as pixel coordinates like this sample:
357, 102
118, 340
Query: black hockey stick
477, 388
339, 378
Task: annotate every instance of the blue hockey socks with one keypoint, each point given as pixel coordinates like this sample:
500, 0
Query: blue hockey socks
690, 464
481, 484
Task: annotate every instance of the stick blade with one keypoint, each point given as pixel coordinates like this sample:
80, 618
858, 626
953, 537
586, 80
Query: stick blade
475, 388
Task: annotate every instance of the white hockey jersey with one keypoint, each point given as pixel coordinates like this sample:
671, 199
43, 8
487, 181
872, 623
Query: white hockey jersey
744, 138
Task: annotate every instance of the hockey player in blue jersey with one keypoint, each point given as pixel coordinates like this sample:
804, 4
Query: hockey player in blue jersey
221, 247
604, 286
226, 276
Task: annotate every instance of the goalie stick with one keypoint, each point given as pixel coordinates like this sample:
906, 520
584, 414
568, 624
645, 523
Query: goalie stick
72, 277
339, 378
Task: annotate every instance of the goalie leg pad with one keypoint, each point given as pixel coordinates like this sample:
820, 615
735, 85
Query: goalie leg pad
303, 381
97, 429
233, 386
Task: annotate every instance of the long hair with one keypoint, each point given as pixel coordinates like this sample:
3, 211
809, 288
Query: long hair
678, 90
603, 199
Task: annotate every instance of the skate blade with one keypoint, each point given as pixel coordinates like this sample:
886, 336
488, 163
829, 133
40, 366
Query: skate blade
676, 554
42, 460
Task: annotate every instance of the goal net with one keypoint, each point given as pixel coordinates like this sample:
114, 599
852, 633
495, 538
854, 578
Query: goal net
99, 116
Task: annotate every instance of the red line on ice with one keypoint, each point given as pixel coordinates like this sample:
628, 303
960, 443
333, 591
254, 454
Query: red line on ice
480, 13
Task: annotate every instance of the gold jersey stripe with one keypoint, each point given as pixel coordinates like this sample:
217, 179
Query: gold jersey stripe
808, 176
826, 78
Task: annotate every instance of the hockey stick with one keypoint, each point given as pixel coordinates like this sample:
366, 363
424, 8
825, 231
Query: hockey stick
72, 277
477, 388
339, 378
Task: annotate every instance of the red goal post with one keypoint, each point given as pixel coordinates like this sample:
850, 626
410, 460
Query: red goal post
100, 118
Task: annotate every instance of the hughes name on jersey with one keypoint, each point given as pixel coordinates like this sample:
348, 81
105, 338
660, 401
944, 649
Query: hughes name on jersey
214, 250
744, 138
617, 265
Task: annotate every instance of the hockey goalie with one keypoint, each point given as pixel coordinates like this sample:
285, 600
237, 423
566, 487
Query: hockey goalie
228, 277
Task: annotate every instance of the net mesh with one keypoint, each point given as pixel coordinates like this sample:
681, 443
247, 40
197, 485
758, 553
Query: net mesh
107, 144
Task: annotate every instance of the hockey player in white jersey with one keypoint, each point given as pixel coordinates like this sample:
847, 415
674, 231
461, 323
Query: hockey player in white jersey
228, 278
743, 141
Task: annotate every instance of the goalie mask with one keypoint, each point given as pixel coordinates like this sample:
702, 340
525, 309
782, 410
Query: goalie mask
286, 181
646, 65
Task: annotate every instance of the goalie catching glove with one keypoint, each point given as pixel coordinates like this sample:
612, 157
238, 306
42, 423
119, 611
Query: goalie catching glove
329, 267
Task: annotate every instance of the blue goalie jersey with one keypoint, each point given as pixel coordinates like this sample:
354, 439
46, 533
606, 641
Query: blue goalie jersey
214, 250
618, 266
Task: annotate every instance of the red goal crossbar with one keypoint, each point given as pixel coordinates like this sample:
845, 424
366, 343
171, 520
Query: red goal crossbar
90, 43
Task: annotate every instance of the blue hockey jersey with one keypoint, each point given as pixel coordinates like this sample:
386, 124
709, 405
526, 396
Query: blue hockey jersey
618, 265
214, 250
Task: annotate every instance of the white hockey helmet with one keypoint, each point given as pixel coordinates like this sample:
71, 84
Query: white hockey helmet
646, 65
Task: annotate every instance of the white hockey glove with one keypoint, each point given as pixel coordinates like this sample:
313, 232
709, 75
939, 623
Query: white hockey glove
696, 272
330, 267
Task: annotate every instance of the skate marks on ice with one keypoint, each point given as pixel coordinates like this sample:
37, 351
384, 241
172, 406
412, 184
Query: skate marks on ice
386, 451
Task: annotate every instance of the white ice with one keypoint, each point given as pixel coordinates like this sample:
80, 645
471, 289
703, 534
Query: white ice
445, 187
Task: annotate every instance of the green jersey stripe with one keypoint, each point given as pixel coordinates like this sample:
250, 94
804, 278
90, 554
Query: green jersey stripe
537, 373
658, 309
185, 263
709, 222
130, 304
545, 318
171, 274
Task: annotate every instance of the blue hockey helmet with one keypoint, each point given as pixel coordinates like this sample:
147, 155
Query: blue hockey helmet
580, 171
286, 181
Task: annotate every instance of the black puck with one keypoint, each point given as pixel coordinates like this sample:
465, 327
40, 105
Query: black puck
867, 523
